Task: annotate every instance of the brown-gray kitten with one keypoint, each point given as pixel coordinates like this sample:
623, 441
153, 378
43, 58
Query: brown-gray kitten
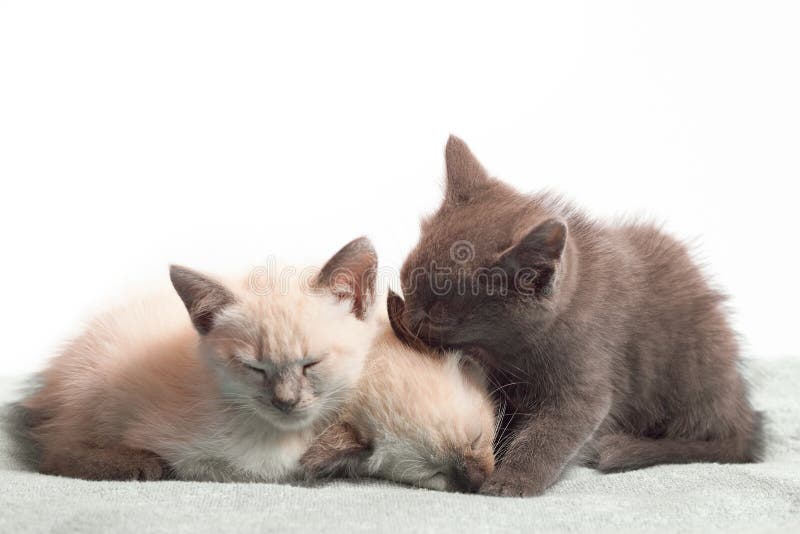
605, 343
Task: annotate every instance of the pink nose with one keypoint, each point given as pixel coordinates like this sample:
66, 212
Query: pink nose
475, 476
284, 405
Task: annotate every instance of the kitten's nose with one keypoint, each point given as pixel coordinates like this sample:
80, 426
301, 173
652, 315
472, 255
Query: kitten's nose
471, 476
284, 405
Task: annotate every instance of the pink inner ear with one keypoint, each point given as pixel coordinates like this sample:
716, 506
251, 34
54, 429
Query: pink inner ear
356, 285
350, 274
343, 286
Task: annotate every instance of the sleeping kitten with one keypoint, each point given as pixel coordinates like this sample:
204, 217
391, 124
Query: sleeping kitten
237, 393
606, 338
418, 419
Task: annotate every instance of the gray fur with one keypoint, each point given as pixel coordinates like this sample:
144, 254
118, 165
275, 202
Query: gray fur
606, 343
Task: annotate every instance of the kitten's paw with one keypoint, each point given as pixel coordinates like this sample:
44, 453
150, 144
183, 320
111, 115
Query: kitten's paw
150, 468
130, 464
511, 484
589, 455
119, 463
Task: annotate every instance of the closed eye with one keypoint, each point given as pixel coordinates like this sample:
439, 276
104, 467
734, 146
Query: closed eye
255, 369
309, 364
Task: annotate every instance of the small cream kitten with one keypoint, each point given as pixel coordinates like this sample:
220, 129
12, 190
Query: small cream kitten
419, 418
237, 393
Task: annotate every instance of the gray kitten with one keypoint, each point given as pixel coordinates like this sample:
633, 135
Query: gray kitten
605, 343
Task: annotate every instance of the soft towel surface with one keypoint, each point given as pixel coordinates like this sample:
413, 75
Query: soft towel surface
702, 497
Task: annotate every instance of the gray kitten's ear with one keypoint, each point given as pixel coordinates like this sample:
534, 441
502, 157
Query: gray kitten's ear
395, 308
543, 243
203, 297
532, 263
337, 451
465, 175
350, 275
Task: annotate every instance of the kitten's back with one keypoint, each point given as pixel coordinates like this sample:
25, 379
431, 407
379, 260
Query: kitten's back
136, 359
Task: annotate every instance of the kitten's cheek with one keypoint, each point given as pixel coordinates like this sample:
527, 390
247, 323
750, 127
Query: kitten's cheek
310, 384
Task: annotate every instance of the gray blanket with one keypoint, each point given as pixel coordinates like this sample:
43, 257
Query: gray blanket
702, 497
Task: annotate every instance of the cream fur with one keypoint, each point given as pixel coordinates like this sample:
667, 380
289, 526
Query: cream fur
140, 377
423, 414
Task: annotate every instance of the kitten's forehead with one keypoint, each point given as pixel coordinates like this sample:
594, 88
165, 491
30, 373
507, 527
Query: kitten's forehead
467, 236
280, 322
432, 394
285, 327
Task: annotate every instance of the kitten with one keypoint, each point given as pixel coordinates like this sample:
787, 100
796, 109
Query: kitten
236, 393
606, 339
420, 420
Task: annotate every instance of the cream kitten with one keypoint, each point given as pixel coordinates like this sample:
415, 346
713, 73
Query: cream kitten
417, 418
237, 393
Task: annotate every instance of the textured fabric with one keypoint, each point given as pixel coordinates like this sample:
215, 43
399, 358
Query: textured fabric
702, 497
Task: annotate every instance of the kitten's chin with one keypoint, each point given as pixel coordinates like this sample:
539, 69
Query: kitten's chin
287, 422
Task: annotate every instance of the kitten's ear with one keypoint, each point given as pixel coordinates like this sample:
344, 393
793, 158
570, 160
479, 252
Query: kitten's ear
350, 275
395, 307
533, 260
544, 242
203, 297
337, 451
465, 175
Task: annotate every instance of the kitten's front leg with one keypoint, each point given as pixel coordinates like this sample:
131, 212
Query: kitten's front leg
104, 463
545, 442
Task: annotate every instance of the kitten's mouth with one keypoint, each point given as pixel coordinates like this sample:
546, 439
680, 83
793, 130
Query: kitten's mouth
294, 420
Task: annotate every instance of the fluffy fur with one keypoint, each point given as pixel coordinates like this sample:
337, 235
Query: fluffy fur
143, 394
418, 419
600, 337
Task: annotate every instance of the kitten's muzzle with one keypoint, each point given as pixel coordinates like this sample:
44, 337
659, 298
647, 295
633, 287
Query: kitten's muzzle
285, 405
469, 477
286, 392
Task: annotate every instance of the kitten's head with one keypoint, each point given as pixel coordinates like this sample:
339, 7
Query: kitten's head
290, 355
487, 256
421, 419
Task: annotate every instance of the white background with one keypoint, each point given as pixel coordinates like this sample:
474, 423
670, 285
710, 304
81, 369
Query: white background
141, 133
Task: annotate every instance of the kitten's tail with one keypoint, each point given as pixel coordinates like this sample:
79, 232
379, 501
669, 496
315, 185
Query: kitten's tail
624, 452
18, 421
757, 443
